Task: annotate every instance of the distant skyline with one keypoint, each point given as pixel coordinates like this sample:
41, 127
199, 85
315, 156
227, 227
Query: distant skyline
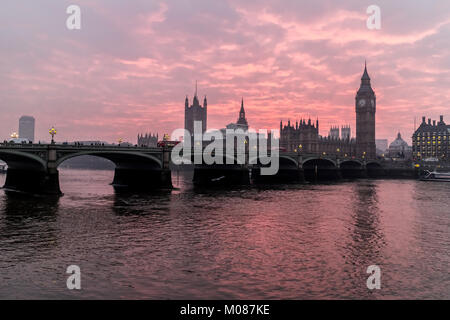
129, 68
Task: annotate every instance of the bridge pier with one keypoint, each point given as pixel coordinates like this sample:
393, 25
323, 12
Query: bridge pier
320, 173
353, 173
33, 181
142, 179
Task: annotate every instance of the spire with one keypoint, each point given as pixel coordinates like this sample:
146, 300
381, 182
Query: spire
365, 86
186, 102
242, 120
365, 75
195, 101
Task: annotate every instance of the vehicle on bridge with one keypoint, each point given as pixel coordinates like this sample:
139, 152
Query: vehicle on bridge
163, 143
19, 140
166, 142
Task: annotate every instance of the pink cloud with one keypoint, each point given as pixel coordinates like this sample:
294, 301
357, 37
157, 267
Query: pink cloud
129, 68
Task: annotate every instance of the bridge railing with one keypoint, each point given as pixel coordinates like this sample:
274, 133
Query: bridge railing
71, 146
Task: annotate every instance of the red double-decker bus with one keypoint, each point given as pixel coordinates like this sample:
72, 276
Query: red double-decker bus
163, 143
166, 142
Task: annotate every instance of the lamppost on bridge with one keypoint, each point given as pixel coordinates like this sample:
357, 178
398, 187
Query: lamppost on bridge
14, 135
52, 132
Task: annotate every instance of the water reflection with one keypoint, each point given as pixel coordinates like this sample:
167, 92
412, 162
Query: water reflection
260, 242
28, 223
126, 203
366, 238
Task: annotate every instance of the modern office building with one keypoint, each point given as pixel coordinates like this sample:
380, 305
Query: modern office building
26, 128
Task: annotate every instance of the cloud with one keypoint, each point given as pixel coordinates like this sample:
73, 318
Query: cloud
129, 68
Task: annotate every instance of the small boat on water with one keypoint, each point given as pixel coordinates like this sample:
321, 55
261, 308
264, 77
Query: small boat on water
436, 176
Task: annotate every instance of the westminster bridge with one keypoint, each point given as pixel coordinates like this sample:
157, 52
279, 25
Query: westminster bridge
34, 167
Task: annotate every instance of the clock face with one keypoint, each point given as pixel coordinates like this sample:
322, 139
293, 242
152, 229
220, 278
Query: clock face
362, 102
372, 102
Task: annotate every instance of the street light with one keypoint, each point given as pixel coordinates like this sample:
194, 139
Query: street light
14, 135
52, 132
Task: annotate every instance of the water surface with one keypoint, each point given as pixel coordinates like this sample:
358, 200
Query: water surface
284, 242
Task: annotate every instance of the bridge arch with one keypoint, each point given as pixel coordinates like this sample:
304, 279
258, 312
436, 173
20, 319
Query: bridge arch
351, 163
319, 161
352, 169
373, 164
27, 171
22, 160
320, 169
285, 161
375, 169
122, 159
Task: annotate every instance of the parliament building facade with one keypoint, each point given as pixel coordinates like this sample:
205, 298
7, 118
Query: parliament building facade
304, 135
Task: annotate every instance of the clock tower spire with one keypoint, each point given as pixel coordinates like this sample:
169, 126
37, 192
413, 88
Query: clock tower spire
365, 105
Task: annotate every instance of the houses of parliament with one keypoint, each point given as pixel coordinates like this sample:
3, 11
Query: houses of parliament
303, 135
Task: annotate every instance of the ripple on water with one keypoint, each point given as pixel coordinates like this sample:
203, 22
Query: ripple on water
266, 242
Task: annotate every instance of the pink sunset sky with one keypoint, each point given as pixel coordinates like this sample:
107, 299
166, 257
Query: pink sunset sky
129, 68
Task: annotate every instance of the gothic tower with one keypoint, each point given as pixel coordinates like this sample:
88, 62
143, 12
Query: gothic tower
242, 121
195, 112
365, 105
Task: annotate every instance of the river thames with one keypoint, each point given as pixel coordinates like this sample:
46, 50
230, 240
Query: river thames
279, 242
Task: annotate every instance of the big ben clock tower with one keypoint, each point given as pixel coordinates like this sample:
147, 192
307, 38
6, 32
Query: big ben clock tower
365, 103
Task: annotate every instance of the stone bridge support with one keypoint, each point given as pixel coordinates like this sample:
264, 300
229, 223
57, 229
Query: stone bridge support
32, 174
135, 175
290, 171
352, 169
